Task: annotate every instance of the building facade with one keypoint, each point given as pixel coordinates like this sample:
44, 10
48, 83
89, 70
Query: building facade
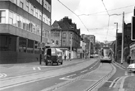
65, 35
90, 43
23, 25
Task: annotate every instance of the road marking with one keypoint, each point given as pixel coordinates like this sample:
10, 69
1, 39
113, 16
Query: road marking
65, 78
71, 75
84, 71
114, 81
2, 75
36, 68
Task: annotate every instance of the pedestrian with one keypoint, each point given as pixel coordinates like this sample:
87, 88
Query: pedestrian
65, 57
129, 59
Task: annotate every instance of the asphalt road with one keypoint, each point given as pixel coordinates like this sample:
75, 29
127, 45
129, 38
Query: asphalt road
39, 84
109, 85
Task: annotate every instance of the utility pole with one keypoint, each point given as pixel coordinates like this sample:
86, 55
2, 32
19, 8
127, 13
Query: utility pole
116, 41
71, 46
122, 45
89, 48
40, 60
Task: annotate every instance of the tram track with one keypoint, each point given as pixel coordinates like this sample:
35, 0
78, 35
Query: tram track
20, 80
94, 86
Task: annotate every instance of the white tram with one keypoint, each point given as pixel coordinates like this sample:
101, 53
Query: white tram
106, 55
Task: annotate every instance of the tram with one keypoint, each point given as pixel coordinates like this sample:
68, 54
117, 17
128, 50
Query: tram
106, 55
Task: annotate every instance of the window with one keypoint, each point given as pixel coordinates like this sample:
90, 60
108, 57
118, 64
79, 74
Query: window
57, 42
27, 6
14, 20
40, 2
2, 16
64, 34
27, 25
20, 22
21, 4
24, 24
45, 4
36, 12
10, 18
30, 27
15, 1
32, 9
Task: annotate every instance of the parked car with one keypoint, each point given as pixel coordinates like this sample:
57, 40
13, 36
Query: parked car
131, 67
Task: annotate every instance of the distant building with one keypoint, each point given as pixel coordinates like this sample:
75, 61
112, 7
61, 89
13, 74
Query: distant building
90, 43
65, 35
20, 29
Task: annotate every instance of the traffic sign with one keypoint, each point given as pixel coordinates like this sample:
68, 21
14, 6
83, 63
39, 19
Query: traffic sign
133, 29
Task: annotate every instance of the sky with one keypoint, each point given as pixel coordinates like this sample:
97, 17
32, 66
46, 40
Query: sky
94, 16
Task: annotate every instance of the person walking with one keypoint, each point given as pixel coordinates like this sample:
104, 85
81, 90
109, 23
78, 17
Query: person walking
129, 59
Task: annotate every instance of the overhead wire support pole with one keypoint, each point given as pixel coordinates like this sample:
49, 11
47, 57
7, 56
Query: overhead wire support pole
122, 45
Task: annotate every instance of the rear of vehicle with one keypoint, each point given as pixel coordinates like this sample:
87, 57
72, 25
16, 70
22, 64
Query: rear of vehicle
53, 56
131, 67
106, 55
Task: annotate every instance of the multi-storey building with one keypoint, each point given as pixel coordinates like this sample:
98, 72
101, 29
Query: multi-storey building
23, 24
90, 43
65, 34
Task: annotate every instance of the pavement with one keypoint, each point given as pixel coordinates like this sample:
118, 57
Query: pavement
128, 83
23, 68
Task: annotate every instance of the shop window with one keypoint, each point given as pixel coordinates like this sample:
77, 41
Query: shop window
2, 16
22, 44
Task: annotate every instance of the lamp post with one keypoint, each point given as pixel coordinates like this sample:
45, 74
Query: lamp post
71, 46
116, 41
40, 57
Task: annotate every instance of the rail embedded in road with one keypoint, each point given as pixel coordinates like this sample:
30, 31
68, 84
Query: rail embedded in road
21, 80
87, 82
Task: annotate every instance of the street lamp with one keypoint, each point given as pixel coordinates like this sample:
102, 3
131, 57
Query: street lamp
41, 44
71, 46
116, 41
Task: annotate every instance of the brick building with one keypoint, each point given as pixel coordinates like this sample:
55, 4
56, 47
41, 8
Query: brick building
20, 29
65, 35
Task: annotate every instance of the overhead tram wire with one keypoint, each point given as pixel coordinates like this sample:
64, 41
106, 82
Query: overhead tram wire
74, 14
105, 11
108, 19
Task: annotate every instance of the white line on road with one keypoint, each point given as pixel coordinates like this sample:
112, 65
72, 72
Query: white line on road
36, 68
114, 81
71, 75
84, 71
2, 75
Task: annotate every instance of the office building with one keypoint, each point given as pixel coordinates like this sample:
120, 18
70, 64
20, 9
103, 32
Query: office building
23, 25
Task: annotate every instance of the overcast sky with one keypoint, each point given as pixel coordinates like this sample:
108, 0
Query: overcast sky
94, 16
